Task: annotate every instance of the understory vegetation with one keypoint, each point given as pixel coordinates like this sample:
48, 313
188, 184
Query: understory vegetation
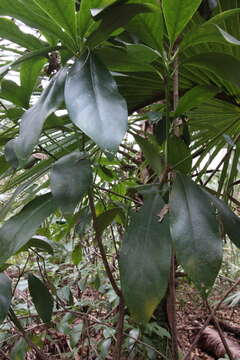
119, 179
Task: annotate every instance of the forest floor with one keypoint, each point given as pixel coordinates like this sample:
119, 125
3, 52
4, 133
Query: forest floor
99, 323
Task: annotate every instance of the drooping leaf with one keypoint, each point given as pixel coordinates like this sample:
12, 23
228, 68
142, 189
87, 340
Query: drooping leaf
5, 295
41, 297
77, 254
177, 14
62, 12
195, 97
39, 242
145, 258
18, 150
113, 18
179, 155
71, 178
230, 221
17, 231
10, 31
29, 73
106, 218
195, 233
221, 64
94, 103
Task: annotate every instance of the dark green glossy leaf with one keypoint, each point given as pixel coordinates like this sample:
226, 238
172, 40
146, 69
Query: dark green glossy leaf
10, 31
177, 14
230, 221
145, 258
151, 153
221, 64
5, 295
62, 12
106, 218
195, 233
91, 93
18, 150
41, 243
113, 18
179, 155
71, 178
41, 297
77, 254
30, 70
17, 231
195, 97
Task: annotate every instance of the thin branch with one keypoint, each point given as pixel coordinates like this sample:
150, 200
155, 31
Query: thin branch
119, 195
120, 327
98, 240
171, 309
21, 274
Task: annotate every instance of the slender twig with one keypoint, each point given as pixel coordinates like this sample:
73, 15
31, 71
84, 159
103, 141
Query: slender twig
119, 195
171, 309
20, 274
98, 240
225, 344
171, 299
120, 326
192, 347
